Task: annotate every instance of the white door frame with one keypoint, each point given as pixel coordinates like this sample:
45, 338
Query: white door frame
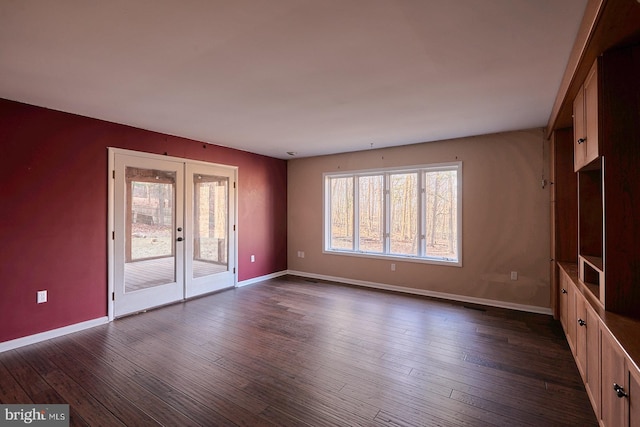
233, 254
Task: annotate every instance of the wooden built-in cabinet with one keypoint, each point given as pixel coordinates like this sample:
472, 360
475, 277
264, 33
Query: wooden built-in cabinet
595, 217
606, 158
606, 363
594, 133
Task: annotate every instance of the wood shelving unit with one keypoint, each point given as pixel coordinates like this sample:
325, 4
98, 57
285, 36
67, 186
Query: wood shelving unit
595, 207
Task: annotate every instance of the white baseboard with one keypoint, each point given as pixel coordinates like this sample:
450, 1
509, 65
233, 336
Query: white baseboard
54, 333
442, 295
261, 278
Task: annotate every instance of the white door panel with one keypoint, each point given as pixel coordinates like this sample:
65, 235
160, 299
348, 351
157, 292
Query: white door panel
210, 206
149, 257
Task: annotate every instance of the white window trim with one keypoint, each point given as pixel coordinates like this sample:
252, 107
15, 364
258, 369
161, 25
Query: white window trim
326, 235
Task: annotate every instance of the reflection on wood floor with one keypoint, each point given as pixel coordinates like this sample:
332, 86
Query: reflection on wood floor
154, 272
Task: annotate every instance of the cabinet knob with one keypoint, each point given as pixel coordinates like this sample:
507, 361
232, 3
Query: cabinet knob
581, 322
582, 140
619, 391
564, 291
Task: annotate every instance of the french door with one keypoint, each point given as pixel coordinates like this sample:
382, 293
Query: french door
172, 230
210, 239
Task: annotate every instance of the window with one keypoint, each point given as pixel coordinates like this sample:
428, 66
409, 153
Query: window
412, 213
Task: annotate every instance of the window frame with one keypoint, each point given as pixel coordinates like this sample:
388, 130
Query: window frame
421, 170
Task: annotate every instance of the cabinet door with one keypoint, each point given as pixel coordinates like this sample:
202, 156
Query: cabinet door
579, 131
634, 397
568, 309
571, 316
553, 268
613, 374
591, 115
593, 358
563, 301
581, 336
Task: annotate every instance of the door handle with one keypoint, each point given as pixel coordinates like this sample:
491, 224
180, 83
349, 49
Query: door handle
179, 239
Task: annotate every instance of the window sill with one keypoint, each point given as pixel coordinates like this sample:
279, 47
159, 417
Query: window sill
404, 258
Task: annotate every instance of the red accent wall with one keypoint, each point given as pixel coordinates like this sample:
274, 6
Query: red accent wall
53, 212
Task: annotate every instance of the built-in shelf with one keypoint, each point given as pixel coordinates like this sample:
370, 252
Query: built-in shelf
591, 272
608, 187
590, 214
593, 261
590, 229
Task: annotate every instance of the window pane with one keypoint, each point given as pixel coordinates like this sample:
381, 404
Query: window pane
341, 213
371, 210
441, 214
410, 212
404, 214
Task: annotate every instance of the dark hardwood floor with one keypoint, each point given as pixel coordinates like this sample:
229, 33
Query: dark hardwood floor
292, 352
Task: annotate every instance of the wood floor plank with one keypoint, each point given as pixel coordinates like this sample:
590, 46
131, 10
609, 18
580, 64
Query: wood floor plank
440, 409
169, 383
83, 403
10, 390
38, 390
538, 417
110, 369
110, 397
293, 352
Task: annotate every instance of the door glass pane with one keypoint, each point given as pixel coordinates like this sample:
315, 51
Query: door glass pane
149, 251
404, 214
371, 208
211, 211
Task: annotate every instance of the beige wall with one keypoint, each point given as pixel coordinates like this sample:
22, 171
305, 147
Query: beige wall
505, 218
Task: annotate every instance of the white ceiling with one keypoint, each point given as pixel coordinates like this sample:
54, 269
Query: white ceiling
310, 76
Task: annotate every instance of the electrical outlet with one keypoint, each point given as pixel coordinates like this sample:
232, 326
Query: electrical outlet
514, 275
42, 297
253, 258
393, 267
300, 254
